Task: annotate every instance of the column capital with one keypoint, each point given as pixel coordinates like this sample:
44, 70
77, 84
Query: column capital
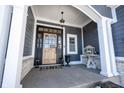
21, 7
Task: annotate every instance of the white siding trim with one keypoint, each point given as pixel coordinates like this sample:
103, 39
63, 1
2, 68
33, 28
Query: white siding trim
113, 6
34, 14
113, 9
75, 62
114, 15
43, 24
119, 58
82, 35
27, 57
76, 44
64, 43
34, 39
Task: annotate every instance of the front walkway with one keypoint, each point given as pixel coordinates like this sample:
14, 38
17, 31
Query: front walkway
74, 76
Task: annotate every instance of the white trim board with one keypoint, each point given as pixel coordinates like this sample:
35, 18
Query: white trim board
42, 24
113, 6
75, 62
34, 39
34, 14
119, 58
27, 57
56, 22
114, 16
64, 43
82, 35
113, 9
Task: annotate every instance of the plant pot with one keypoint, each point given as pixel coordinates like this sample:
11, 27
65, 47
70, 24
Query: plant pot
67, 60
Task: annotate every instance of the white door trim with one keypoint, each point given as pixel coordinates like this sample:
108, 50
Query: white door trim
34, 38
59, 27
48, 25
82, 35
118, 58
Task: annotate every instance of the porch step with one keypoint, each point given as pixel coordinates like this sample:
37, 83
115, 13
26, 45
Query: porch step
50, 66
106, 83
86, 85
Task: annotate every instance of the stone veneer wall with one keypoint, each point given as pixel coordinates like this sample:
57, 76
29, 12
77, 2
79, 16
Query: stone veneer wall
27, 65
120, 68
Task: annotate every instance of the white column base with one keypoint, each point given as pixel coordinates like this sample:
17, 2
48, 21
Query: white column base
106, 74
115, 73
20, 86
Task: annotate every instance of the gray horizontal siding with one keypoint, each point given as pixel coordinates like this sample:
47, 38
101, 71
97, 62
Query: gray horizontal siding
103, 10
29, 34
90, 35
75, 31
118, 32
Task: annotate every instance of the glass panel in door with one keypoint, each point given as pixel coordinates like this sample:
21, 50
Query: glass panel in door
49, 48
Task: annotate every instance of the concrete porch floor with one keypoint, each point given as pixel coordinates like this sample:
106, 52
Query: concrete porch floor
67, 77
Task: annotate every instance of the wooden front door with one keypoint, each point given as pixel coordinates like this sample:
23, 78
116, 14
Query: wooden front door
49, 48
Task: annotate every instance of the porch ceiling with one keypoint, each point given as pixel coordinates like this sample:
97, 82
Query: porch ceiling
52, 13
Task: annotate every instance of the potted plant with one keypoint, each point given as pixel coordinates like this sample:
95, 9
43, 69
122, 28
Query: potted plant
67, 60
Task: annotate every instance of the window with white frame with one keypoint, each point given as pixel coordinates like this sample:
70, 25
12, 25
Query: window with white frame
71, 44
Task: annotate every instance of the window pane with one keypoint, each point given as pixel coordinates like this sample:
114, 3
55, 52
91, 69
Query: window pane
72, 48
72, 40
40, 29
72, 44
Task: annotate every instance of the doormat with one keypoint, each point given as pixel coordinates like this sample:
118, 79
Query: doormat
107, 84
51, 66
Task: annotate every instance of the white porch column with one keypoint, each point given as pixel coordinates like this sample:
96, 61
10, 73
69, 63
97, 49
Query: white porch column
82, 35
111, 49
104, 48
12, 72
5, 18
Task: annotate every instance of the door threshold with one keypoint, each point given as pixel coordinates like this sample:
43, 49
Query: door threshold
43, 65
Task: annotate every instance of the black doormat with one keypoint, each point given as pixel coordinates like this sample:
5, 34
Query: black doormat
50, 66
108, 84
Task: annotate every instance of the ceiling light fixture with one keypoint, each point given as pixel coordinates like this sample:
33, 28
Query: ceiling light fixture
62, 21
